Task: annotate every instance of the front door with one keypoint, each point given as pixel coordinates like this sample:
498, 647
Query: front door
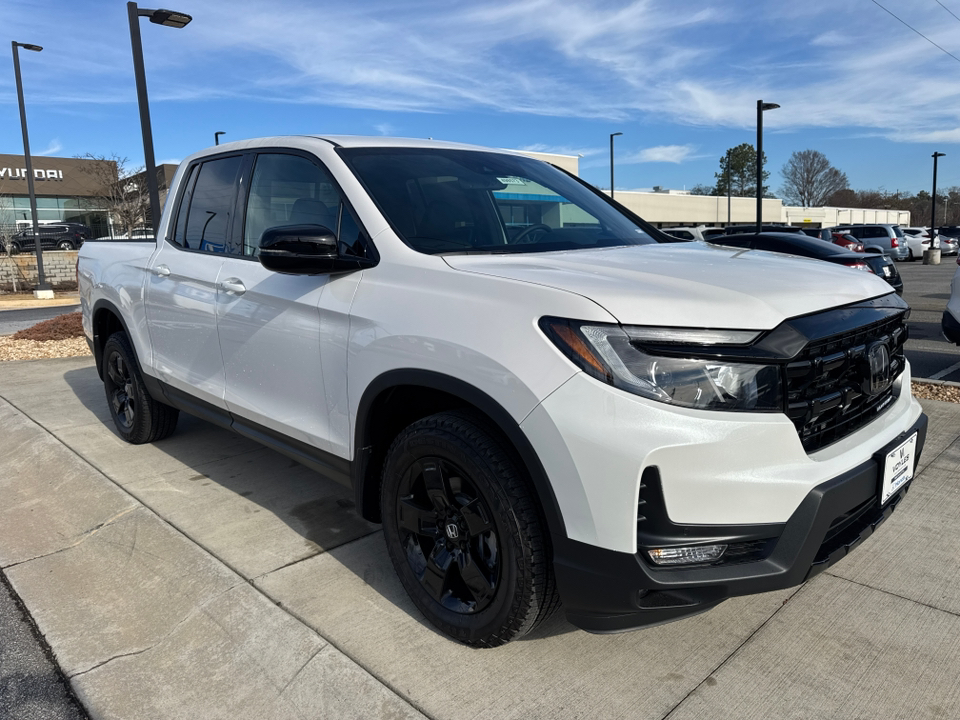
181, 291
283, 344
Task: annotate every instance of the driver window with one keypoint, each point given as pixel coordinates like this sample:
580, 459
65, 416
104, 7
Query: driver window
288, 190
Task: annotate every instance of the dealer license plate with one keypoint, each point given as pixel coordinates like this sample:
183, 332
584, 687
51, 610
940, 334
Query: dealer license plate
898, 470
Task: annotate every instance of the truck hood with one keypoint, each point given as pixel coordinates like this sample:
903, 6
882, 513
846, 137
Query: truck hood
687, 284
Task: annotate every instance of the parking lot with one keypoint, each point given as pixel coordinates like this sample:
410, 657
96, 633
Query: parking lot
927, 289
208, 577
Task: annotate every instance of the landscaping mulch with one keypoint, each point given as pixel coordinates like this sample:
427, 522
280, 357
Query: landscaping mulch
58, 337
62, 327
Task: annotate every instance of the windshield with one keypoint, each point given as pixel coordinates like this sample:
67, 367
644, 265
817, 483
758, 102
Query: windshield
442, 201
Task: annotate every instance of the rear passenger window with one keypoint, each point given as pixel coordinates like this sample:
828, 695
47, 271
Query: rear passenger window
292, 190
211, 205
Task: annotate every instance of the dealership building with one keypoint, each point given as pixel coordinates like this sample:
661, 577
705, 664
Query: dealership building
67, 190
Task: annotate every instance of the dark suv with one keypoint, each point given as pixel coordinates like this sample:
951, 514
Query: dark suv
62, 236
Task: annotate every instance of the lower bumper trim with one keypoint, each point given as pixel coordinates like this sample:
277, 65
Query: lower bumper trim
608, 591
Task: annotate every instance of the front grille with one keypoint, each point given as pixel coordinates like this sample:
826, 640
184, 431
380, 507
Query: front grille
825, 396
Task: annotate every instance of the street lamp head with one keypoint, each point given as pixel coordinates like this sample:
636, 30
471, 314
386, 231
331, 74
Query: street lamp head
769, 106
938, 154
27, 46
170, 18
615, 134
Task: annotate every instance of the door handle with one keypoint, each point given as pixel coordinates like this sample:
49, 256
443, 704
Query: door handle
161, 271
233, 286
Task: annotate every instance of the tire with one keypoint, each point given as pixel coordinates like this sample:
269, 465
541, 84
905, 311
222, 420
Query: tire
65, 245
464, 531
138, 417
910, 255
14, 249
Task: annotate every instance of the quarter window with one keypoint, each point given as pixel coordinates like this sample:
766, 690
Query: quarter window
211, 205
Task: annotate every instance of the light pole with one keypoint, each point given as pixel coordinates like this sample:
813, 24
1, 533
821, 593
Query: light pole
728, 186
612, 136
158, 17
934, 235
43, 289
216, 136
761, 106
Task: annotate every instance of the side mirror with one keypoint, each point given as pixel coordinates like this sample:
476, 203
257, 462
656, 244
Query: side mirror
299, 249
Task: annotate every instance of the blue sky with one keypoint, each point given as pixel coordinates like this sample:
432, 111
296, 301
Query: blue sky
679, 78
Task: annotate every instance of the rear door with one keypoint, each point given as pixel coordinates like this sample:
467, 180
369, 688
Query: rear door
181, 290
284, 336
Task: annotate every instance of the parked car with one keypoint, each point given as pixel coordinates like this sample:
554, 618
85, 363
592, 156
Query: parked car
794, 244
699, 233
579, 409
67, 236
712, 232
737, 229
918, 240
811, 232
883, 237
847, 242
950, 322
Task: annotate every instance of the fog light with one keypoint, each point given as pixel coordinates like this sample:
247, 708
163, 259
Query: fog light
687, 555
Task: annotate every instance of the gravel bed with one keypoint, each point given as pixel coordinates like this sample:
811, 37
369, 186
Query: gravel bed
11, 349
928, 391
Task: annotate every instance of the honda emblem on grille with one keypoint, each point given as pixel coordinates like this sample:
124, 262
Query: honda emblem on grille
878, 375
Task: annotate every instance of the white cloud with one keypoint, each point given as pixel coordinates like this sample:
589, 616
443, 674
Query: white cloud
660, 154
692, 63
52, 149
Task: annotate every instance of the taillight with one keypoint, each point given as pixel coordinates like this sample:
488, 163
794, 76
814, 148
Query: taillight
858, 248
858, 265
894, 242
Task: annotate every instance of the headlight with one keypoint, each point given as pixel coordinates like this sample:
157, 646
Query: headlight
610, 353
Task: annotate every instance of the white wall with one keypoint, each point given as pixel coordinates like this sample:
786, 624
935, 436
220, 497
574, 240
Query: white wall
667, 209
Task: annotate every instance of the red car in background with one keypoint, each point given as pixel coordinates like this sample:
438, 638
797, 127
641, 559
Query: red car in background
848, 242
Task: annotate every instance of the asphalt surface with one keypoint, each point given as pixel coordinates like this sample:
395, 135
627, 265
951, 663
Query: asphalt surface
31, 685
927, 289
12, 321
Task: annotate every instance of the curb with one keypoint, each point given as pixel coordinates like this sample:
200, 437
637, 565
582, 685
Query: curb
38, 304
927, 381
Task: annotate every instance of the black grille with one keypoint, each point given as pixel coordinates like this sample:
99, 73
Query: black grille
825, 398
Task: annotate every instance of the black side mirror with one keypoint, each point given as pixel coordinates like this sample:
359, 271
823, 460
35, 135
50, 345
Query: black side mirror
299, 249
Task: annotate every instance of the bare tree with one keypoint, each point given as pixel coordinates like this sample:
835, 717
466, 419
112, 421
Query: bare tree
809, 179
121, 189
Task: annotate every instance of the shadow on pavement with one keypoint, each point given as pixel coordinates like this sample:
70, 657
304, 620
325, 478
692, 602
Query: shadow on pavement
321, 511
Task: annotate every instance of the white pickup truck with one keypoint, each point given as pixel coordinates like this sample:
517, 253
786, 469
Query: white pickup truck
540, 396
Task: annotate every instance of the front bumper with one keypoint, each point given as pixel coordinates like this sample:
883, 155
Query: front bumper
608, 591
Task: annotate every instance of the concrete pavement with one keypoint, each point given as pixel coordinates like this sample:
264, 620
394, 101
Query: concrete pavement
206, 577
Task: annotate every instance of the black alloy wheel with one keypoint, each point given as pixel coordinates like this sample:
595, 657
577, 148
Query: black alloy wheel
464, 530
137, 416
119, 386
446, 531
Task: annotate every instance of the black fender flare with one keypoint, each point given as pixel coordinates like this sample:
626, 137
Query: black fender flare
367, 486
